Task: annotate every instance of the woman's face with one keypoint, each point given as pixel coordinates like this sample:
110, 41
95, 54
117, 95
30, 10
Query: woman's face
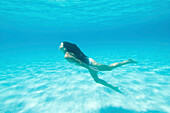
61, 47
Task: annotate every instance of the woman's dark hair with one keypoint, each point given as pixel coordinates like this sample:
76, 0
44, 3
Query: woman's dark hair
74, 49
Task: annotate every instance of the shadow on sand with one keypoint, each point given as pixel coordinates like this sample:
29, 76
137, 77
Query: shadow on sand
110, 109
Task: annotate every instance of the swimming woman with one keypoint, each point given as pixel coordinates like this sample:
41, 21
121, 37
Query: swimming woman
74, 55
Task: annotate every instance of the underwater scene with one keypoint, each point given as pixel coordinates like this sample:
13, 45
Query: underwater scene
36, 77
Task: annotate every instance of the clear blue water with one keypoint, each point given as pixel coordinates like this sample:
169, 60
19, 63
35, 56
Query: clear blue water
35, 77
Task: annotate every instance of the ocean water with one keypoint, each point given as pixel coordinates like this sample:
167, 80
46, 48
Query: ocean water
35, 77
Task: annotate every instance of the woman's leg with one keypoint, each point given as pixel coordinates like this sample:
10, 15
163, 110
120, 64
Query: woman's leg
100, 81
114, 65
103, 67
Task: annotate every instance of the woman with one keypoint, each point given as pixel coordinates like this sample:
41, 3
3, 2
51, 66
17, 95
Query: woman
74, 55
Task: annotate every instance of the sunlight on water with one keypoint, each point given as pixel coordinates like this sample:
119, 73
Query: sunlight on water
43, 82
66, 14
35, 77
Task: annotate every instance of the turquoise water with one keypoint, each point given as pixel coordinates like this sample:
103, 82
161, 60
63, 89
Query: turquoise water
35, 77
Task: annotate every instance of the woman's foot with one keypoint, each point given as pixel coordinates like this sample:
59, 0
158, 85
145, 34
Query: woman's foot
131, 61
